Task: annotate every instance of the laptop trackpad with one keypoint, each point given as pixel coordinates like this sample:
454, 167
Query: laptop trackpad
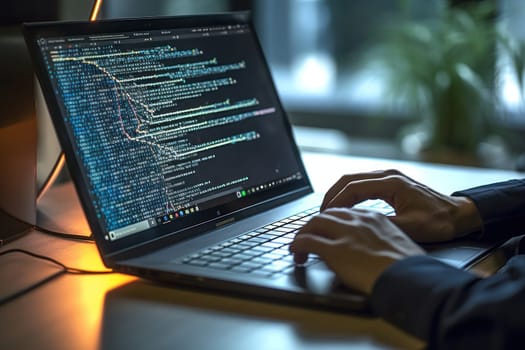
457, 256
319, 281
316, 278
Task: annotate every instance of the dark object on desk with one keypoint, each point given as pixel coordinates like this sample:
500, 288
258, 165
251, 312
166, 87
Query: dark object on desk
182, 154
10, 228
17, 137
15, 12
22, 117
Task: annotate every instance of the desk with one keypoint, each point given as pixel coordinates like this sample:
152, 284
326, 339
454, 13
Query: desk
122, 312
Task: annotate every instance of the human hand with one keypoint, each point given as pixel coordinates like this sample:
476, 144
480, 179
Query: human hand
357, 245
422, 213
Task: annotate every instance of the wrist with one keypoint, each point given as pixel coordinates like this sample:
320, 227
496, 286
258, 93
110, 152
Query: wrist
466, 217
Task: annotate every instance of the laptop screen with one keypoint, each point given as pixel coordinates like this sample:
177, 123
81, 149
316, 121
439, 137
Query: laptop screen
172, 122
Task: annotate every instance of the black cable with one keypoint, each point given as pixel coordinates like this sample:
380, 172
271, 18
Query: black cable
75, 237
14, 233
72, 236
64, 270
19, 293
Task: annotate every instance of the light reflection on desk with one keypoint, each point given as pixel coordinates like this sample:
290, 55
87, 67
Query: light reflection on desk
190, 319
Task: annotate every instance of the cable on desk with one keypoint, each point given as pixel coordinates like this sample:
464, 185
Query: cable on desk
72, 236
15, 235
64, 270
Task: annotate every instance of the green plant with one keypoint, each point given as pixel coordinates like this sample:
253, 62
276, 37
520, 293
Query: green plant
442, 69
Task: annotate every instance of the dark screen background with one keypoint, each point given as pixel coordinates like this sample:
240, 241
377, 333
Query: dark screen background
152, 147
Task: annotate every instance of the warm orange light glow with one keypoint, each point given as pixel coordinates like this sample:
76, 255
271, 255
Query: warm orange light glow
88, 294
95, 10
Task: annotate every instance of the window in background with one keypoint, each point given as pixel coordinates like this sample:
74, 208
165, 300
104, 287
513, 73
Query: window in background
314, 47
317, 48
319, 52
141, 8
512, 22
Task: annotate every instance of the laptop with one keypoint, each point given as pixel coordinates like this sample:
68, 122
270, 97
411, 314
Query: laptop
182, 154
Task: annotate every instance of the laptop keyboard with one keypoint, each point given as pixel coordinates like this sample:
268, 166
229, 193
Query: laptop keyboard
264, 251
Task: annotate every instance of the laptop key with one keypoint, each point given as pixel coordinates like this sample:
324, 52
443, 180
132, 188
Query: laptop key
232, 261
258, 239
284, 229
271, 245
282, 251
261, 272
221, 254
246, 244
282, 240
252, 252
197, 262
242, 256
210, 258
270, 235
263, 249
240, 268
271, 256
220, 265
230, 250
251, 265
276, 266
262, 261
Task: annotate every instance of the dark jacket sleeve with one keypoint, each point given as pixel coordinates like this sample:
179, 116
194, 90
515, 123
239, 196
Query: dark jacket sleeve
502, 208
455, 309
451, 308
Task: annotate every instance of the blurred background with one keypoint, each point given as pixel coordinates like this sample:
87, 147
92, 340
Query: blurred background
433, 80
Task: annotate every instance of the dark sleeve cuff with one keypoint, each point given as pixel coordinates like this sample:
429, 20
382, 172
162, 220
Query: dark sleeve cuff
410, 293
502, 208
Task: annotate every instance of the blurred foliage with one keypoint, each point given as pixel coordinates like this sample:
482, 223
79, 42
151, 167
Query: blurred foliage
443, 70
